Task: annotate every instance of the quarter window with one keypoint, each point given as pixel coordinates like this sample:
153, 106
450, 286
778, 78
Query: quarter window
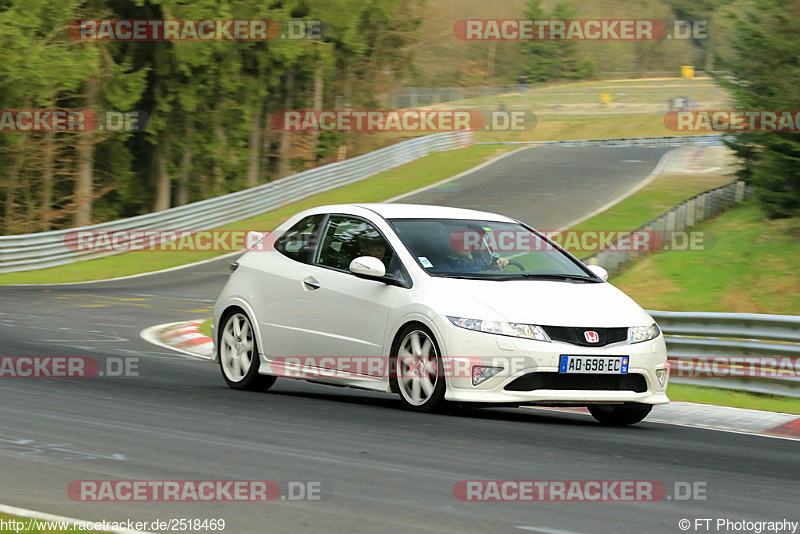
299, 240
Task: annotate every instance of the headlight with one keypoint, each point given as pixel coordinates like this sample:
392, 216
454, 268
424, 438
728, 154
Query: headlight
527, 331
637, 334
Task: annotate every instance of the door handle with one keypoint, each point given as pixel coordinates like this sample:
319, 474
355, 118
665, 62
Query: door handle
311, 283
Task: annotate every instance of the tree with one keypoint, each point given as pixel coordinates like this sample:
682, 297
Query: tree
765, 75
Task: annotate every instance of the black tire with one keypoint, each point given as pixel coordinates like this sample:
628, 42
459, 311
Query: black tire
430, 368
238, 354
620, 414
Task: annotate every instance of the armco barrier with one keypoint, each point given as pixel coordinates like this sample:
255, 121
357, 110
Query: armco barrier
38, 251
676, 140
745, 351
680, 218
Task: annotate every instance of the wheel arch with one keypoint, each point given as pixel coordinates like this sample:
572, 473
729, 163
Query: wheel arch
231, 305
396, 339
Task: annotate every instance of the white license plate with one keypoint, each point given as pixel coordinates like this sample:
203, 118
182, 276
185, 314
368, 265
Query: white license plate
607, 365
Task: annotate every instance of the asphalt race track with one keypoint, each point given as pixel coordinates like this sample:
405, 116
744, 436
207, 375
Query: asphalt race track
381, 468
548, 187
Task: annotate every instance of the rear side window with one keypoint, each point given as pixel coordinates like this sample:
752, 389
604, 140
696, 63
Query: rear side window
299, 240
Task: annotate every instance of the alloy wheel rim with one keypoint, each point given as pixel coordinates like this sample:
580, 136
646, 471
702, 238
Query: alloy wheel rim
417, 368
237, 347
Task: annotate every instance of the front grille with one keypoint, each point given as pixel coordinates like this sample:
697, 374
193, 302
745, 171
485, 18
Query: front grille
574, 335
584, 381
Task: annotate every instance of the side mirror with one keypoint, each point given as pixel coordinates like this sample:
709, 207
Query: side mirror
599, 271
368, 267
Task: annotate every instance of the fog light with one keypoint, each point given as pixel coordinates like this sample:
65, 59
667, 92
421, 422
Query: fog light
482, 373
661, 374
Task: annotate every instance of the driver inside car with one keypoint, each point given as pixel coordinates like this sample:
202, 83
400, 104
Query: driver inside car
461, 259
370, 243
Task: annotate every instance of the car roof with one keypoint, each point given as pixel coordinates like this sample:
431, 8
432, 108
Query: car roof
421, 211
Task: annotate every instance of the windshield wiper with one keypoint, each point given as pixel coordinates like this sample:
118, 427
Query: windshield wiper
555, 276
462, 276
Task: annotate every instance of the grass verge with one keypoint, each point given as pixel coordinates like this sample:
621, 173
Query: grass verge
205, 327
734, 398
749, 266
660, 195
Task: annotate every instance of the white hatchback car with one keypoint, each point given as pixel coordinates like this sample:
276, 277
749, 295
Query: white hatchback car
441, 305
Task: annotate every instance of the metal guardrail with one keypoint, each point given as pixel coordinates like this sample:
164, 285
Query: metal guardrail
674, 223
676, 140
744, 351
48, 249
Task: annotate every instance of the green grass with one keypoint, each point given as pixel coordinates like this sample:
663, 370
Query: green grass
383, 186
736, 399
205, 328
7, 517
589, 126
576, 111
583, 94
750, 265
660, 195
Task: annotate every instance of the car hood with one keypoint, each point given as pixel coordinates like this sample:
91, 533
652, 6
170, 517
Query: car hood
542, 302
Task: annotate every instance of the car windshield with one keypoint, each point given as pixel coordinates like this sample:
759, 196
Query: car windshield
485, 249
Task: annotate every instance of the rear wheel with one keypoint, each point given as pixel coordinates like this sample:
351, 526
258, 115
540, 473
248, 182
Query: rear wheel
418, 369
238, 355
620, 414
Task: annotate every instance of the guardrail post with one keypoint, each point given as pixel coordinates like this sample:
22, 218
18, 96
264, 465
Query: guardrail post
691, 210
740, 185
670, 222
700, 214
680, 218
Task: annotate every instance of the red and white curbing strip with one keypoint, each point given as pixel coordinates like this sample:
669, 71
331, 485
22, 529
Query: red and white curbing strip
723, 418
187, 337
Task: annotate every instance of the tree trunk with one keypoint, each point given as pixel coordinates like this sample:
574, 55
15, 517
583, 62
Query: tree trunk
219, 153
182, 194
9, 222
319, 85
83, 182
285, 145
163, 189
48, 170
254, 147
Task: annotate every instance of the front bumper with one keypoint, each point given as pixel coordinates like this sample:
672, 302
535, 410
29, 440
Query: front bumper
464, 349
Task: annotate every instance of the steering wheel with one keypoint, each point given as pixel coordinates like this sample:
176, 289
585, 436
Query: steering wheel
516, 264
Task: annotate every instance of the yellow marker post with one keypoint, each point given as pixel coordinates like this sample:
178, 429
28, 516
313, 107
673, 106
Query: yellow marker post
687, 71
605, 98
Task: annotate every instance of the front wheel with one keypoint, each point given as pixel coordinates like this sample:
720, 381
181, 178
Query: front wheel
419, 370
238, 355
620, 414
